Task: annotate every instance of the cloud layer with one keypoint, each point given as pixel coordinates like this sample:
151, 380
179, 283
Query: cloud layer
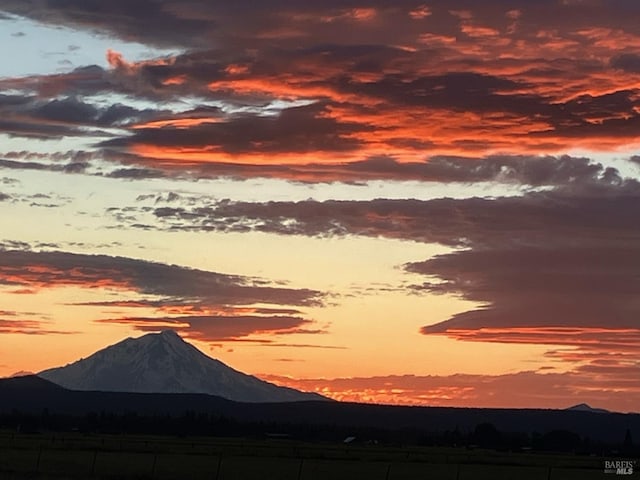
282, 86
555, 267
544, 389
205, 305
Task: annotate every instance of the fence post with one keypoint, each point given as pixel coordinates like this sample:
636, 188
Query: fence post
388, 472
38, 460
219, 467
457, 471
153, 466
549, 473
300, 468
93, 463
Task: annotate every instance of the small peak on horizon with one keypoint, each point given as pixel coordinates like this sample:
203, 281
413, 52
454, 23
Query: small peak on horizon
585, 407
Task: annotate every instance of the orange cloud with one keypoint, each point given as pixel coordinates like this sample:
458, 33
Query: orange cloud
420, 12
480, 81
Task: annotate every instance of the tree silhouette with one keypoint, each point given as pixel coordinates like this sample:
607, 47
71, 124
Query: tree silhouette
487, 435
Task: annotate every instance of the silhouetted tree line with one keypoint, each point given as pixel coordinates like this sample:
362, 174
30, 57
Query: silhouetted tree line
486, 435
192, 423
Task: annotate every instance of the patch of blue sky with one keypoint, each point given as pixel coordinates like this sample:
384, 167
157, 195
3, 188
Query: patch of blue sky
34, 48
618, 160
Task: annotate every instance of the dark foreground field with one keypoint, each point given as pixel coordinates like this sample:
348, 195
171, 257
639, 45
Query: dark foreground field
48, 432
93, 456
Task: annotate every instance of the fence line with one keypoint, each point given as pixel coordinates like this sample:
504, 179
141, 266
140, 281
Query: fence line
153, 465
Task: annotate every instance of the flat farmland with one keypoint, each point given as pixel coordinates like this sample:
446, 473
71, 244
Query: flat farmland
95, 456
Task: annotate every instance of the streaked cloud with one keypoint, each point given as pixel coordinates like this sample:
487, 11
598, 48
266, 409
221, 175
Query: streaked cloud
545, 389
208, 305
51, 269
220, 328
411, 81
555, 267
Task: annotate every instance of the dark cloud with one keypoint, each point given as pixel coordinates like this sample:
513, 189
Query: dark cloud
215, 328
67, 110
76, 167
525, 170
73, 167
47, 269
40, 131
72, 162
60, 117
294, 130
585, 214
534, 286
14, 245
136, 173
73, 156
209, 306
86, 80
407, 79
337, 75
458, 91
74, 111
37, 200
144, 20
175, 23
14, 100
548, 267
629, 62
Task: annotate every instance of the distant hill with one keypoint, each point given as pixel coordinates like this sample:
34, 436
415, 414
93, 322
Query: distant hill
33, 395
583, 407
165, 363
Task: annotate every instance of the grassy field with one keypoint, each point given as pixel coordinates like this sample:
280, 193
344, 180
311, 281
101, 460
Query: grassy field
79, 456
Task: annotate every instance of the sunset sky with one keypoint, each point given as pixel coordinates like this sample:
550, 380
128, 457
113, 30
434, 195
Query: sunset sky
417, 202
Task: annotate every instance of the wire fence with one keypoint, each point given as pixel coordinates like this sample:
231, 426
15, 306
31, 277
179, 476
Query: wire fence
164, 459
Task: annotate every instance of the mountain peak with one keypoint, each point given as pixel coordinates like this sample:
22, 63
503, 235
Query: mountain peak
170, 334
165, 363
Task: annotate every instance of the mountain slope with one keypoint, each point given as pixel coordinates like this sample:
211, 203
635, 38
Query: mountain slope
165, 363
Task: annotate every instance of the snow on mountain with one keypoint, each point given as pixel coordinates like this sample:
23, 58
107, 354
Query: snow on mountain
165, 363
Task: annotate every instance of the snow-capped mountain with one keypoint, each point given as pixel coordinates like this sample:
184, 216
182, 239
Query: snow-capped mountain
165, 363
